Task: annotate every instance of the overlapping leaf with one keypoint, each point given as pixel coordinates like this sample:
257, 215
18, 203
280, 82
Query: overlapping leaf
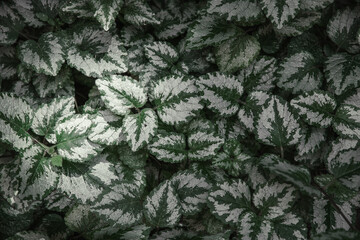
106, 12
347, 121
280, 11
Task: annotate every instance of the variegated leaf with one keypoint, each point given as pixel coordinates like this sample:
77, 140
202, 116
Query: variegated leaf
60, 85
176, 99
316, 108
260, 75
203, 144
140, 128
49, 114
291, 227
308, 5
237, 52
343, 161
192, 189
106, 12
303, 22
342, 29
173, 234
297, 175
11, 24
299, 72
80, 8
169, 147
337, 235
209, 30
29, 235
342, 72
135, 160
311, 141
161, 55
72, 138
347, 121
16, 117
86, 182
162, 206
274, 200
139, 13
233, 158
95, 52
246, 12
353, 98
121, 93
47, 11
230, 201
26, 9
103, 133
253, 106
230, 128
221, 92
276, 125
139, 232
252, 227
45, 56
280, 11
8, 62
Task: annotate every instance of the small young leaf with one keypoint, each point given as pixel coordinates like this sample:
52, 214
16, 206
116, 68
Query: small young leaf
106, 12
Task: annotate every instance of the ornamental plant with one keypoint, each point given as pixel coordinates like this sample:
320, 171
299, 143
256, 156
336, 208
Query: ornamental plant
170, 119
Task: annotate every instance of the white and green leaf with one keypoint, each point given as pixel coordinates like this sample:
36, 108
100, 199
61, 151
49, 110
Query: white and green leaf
203, 144
161, 55
311, 141
253, 227
106, 12
280, 11
139, 13
347, 121
121, 93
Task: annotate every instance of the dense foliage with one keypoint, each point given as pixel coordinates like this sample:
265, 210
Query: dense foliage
171, 119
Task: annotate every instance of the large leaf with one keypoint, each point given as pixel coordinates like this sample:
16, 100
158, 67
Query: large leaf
209, 30
342, 29
260, 75
342, 72
139, 13
161, 55
106, 12
72, 138
176, 99
297, 175
246, 12
45, 56
121, 93
280, 11
299, 72
316, 108
274, 200
252, 227
291, 227
48, 115
221, 92
229, 201
168, 147
311, 141
192, 189
276, 125
16, 117
95, 52
237, 52
140, 128
11, 24
26, 8
162, 206
347, 121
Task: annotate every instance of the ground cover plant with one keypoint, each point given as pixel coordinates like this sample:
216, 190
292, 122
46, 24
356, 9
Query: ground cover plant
170, 119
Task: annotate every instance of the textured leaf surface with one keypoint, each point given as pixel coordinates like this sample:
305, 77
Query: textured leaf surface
48, 115
299, 72
229, 201
342, 72
16, 117
314, 4
192, 189
162, 206
280, 11
277, 126
106, 12
10, 24
176, 99
140, 128
121, 93
95, 52
209, 30
347, 121
316, 108
72, 140
161, 55
237, 53
139, 13
247, 12
168, 147
342, 29
297, 175
253, 227
221, 92
311, 141
45, 56
8, 62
